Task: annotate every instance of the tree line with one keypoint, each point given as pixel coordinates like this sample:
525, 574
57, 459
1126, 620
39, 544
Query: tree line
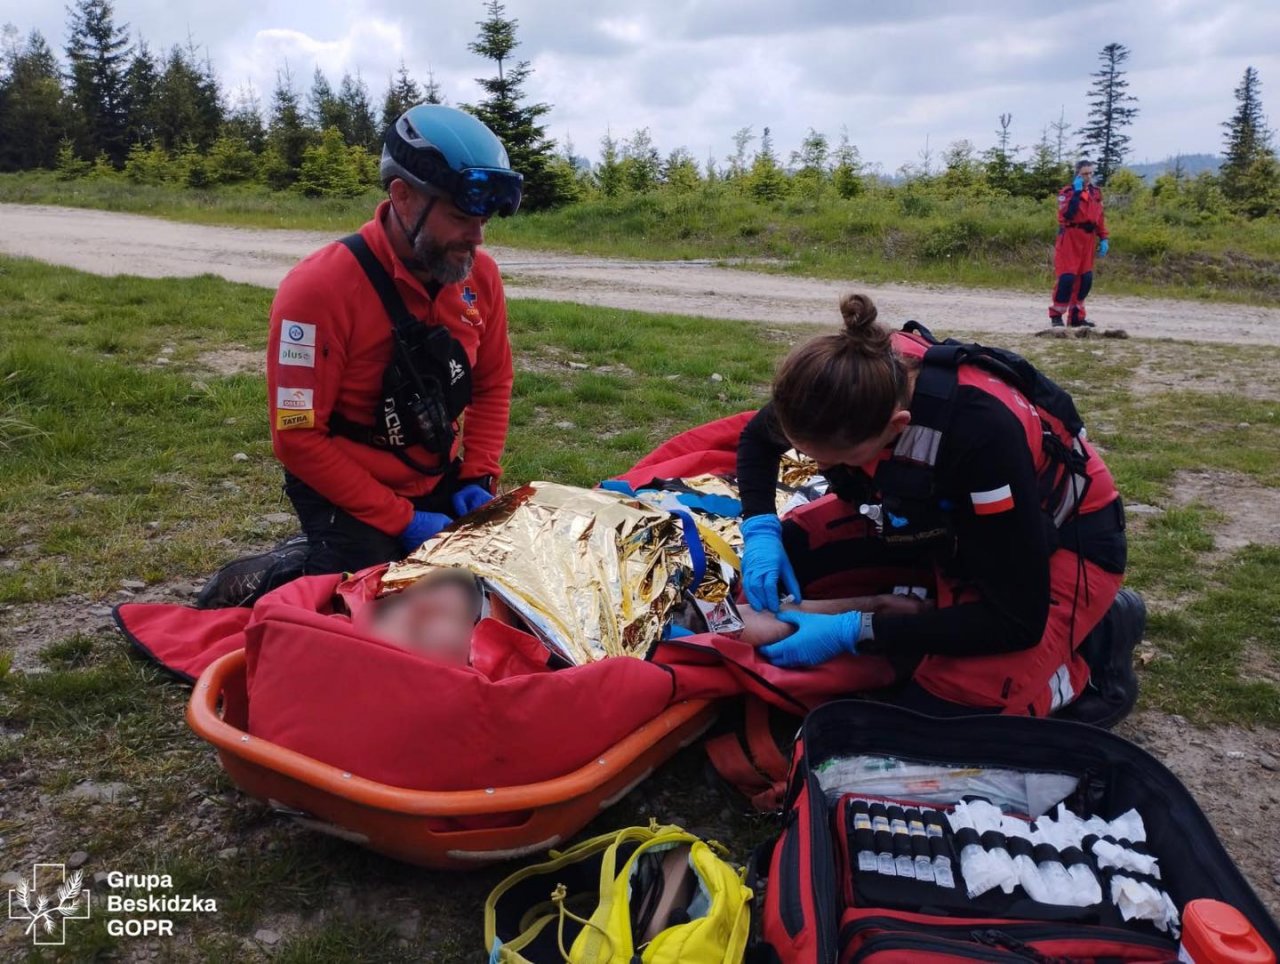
113, 107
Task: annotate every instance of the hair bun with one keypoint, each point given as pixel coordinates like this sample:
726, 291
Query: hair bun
859, 313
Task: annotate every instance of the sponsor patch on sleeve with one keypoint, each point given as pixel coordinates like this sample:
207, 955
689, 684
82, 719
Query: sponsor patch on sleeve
287, 420
297, 333
993, 501
295, 399
303, 356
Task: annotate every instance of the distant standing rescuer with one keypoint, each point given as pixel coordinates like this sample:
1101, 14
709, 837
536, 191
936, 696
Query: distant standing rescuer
1080, 220
388, 364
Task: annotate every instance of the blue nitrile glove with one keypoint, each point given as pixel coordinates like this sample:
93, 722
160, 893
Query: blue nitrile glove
469, 498
422, 527
1078, 184
1103, 247
818, 638
765, 563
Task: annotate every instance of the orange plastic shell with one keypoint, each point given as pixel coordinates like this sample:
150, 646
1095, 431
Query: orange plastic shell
420, 826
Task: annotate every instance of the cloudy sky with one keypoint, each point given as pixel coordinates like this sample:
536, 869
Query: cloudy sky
695, 71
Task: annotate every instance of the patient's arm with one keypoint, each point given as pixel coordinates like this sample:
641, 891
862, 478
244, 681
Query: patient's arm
763, 628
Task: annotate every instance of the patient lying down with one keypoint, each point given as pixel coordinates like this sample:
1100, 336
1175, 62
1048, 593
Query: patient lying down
435, 617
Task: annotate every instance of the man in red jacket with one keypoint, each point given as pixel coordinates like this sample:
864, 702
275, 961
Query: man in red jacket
1080, 220
388, 366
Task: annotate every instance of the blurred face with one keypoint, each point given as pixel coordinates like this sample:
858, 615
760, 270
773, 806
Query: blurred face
444, 249
433, 620
1086, 172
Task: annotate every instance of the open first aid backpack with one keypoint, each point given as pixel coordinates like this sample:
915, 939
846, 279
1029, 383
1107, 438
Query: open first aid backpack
908, 838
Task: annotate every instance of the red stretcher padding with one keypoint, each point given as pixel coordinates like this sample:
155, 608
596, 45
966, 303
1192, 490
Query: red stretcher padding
320, 717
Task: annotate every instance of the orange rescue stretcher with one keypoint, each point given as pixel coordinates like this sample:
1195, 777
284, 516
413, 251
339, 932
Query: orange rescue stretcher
422, 827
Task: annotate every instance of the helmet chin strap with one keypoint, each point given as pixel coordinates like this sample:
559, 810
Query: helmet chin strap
411, 236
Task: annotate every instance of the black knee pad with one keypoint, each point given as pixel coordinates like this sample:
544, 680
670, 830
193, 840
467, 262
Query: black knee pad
1086, 282
1062, 293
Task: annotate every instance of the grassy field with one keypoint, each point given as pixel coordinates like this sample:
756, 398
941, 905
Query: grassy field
877, 237
118, 445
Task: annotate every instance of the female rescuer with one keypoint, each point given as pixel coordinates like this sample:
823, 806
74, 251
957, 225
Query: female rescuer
956, 468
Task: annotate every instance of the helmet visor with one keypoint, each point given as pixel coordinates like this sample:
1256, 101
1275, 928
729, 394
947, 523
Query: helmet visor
485, 191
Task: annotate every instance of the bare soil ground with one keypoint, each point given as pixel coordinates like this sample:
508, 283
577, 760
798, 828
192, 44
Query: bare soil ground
111, 243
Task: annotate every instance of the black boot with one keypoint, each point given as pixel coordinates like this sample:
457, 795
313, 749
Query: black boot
244, 581
1056, 321
1113, 685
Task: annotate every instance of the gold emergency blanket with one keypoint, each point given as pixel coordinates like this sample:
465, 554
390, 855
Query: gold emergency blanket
595, 573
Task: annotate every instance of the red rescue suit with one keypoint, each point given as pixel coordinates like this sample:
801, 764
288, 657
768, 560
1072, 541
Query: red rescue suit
329, 345
1081, 225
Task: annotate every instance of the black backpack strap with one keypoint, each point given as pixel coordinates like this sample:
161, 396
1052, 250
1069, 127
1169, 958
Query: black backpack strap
910, 473
382, 283
915, 328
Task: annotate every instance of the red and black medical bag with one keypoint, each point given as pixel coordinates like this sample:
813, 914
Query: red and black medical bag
815, 911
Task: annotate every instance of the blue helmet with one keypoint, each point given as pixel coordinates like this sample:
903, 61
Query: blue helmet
449, 153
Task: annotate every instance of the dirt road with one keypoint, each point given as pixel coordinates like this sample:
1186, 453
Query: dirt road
110, 243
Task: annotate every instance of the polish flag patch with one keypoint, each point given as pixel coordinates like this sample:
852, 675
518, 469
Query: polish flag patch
993, 501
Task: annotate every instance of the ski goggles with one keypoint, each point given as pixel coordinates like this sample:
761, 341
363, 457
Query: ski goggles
480, 192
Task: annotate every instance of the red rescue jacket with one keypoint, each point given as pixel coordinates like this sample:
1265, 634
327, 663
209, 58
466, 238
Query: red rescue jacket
330, 342
1083, 209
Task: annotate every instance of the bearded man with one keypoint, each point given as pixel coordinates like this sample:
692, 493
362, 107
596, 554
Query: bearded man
389, 368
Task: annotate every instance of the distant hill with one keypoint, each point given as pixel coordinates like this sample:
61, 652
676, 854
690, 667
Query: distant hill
1192, 164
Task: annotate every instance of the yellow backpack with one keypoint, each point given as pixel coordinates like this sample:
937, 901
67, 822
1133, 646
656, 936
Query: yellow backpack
656, 894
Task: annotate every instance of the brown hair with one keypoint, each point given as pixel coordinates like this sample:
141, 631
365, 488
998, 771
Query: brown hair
841, 388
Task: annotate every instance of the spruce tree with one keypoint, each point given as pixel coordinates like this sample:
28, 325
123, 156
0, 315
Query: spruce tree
244, 121
287, 135
142, 78
360, 127
97, 59
324, 110
504, 109
641, 162
846, 170
1111, 109
33, 118
402, 93
1248, 147
610, 175
431, 89
766, 180
187, 107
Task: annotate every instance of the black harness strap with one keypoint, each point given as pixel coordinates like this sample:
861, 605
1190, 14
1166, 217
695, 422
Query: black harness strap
402, 321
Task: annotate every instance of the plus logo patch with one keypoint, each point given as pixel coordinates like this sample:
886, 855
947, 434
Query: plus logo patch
472, 315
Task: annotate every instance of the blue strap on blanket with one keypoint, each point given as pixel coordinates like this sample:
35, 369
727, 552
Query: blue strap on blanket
696, 552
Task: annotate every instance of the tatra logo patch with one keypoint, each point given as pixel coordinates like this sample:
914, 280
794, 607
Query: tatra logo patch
295, 399
297, 333
303, 356
287, 420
